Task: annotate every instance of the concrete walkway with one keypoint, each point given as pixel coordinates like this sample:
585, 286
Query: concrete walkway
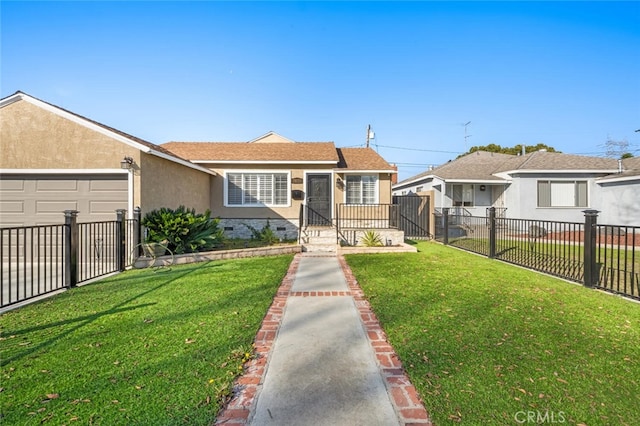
322, 358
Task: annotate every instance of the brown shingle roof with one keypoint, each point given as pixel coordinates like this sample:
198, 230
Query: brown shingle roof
239, 151
361, 159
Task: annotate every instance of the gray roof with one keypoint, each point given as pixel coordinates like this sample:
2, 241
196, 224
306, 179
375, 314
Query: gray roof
484, 166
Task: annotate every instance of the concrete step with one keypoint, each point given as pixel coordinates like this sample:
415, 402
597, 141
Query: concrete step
320, 248
319, 240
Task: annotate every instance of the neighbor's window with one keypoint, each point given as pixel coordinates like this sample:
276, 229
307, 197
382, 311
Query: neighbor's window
562, 193
419, 188
362, 189
257, 189
462, 195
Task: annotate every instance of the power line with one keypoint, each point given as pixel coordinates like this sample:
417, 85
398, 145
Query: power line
421, 150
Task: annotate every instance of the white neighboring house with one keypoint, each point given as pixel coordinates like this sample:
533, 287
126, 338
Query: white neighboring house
541, 185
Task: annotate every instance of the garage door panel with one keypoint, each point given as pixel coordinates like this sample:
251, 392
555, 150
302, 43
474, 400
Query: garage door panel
108, 186
11, 185
47, 185
11, 206
54, 206
29, 200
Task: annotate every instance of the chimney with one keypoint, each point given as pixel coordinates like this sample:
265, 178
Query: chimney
394, 176
620, 169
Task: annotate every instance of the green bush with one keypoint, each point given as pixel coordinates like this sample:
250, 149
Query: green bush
183, 230
266, 234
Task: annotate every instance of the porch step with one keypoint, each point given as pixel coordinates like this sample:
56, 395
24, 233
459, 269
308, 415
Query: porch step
320, 248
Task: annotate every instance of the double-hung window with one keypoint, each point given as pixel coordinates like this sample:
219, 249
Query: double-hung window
362, 189
257, 189
571, 193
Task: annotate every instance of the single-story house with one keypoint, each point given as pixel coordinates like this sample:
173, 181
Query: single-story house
54, 160
272, 177
540, 185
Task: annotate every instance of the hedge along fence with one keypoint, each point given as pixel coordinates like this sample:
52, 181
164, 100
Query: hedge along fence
599, 256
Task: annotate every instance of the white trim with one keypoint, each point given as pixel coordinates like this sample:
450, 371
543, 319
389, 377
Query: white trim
182, 162
618, 179
225, 200
364, 172
130, 176
507, 173
262, 162
410, 182
97, 128
62, 171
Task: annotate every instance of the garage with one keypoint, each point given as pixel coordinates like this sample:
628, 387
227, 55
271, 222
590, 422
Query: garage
41, 199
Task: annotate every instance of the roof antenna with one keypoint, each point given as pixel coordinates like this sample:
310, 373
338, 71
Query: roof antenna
465, 134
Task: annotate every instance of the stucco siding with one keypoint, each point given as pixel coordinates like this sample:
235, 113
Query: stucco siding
618, 203
33, 138
163, 183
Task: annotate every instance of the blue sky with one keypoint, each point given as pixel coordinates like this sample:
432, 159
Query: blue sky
566, 74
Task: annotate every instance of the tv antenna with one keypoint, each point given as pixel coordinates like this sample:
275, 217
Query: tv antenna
466, 136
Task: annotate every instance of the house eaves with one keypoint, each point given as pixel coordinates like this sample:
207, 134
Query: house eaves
132, 141
507, 175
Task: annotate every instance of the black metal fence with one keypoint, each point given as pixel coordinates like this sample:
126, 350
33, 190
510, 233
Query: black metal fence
367, 216
37, 260
600, 256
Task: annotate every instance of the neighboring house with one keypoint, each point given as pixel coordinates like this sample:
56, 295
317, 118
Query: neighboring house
540, 185
54, 160
271, 177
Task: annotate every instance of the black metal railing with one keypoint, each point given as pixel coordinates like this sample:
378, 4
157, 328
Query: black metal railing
37, 260
600, 256
31, 262
367, 216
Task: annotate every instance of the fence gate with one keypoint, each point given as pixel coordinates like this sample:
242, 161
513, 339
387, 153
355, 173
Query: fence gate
414, 215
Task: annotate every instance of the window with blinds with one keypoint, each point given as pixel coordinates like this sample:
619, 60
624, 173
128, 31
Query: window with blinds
362, 189
562, 193
257, 189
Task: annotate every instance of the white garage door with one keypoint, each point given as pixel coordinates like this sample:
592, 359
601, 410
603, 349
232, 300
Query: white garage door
28, 200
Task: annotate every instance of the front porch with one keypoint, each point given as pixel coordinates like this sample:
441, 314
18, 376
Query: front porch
347, 228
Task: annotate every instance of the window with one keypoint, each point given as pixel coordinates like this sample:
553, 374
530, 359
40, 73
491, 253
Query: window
562, 193
462, 195
362, 189
257, 189
419, 188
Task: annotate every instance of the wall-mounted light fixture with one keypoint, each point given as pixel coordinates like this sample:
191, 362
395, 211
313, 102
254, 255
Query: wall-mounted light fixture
340, 183
126, 163
482, 187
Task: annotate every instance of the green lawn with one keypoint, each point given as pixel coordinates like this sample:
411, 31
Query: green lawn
138, 348
487, 343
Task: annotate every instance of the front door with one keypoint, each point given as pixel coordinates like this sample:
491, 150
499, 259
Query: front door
319, 199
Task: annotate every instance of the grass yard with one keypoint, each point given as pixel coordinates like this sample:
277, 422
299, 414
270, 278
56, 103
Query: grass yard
136, 348
487, 343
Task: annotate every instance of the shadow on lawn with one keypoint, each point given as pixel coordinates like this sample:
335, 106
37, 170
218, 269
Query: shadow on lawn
87, 319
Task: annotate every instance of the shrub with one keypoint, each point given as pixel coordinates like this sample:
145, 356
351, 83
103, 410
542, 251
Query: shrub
266, 234
371, 239
183, 230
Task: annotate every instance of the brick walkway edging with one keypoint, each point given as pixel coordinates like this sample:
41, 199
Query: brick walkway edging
406, 402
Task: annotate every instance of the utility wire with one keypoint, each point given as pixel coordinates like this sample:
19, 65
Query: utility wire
422, 150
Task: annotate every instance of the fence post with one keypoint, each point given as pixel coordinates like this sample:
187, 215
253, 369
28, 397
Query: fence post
590, 266
70, 248
137, 227
445, 224
492, 232
121, 242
